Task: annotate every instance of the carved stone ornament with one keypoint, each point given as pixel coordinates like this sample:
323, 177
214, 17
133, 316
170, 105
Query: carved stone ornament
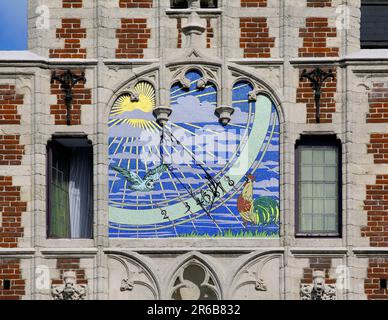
127, 285
162, 114
195, 282
318, 290
194, 27
260, 285
224, 113
69, 290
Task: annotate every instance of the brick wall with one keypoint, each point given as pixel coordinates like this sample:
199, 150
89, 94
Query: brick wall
72, 3
179, 28
9, 102
72, 33
133, 38
135, 3
253, 3
11, 151
378, 146
209, 33
255, 39
81, 96
317, 263
319, 3
378, 103
70, 264
315, 36
10, 270
305, 94
377, 270
376, 206
11, 209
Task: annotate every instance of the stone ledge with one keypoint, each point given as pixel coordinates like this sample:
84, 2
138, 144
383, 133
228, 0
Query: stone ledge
72, 252
258, 61
368, 251
182, 250
324, 251
17, 252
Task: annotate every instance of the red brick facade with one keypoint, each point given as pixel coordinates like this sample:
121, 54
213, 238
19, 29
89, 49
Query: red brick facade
10, 271
377, 271
9, 102
72, 33
11, 151
315, 36
70, 264
321, 264
133, 38
209, 33
179, 28
81, 96
11, 209
255, 39
72, 3
135, 3
319, 3
305, 94
378, 103
378, 146
376, 205
253, 3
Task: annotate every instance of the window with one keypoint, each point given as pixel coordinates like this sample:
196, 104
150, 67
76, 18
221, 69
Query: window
184, 4
318, 186
69, 187
374, 26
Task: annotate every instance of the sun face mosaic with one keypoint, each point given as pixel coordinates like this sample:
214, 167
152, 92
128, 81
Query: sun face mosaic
194, 177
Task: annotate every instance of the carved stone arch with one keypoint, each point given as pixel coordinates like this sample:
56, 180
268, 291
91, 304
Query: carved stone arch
261, 86
130, 278
178, 75
254, 277
148, 74
193, 290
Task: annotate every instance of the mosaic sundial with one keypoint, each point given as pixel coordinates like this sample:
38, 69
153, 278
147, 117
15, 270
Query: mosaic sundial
194, 177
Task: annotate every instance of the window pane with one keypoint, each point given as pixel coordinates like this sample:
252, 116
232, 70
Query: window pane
307, 190
318, 196
70, 189
307, 156
318, 223
306, 223
331, 173
307, 173
331, 157
307, 206
319, 190
331, 206
318, 156
330, 190
374, 28
318, 206
331, 223
318, 173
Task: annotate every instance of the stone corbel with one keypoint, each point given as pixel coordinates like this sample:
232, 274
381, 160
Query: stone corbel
69, 290
318, 290
201, 83
224, 114
184, 82
134, 95
252, 95
162, 114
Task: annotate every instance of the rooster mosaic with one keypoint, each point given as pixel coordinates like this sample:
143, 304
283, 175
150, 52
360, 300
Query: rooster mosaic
262, 210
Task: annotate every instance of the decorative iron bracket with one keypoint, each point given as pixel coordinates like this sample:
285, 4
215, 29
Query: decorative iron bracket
68, 80
317, 77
